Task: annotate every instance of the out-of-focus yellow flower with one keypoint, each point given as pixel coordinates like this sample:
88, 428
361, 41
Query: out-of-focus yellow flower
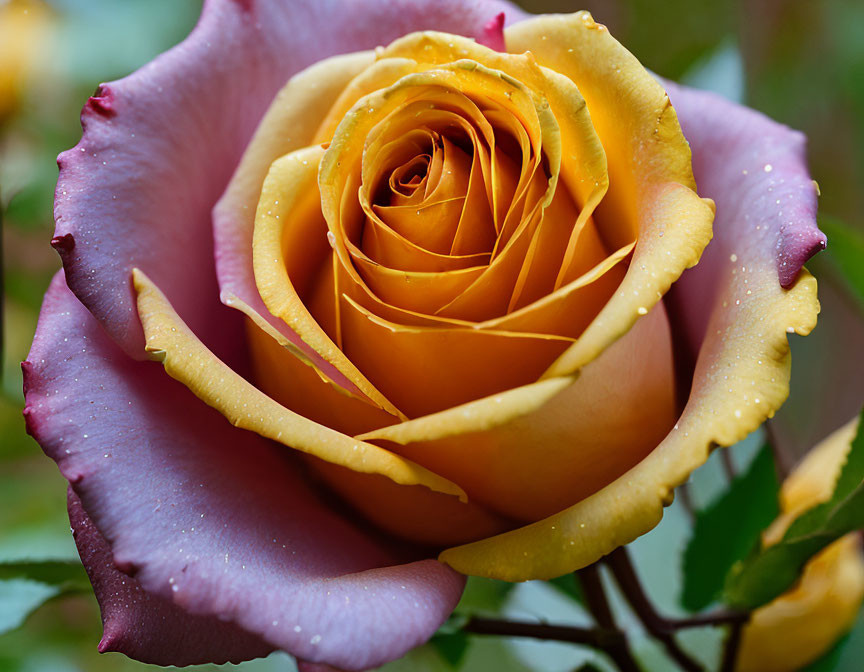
802, 624
23, 29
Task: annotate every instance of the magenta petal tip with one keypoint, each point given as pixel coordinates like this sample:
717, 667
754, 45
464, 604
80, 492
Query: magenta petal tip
492, 34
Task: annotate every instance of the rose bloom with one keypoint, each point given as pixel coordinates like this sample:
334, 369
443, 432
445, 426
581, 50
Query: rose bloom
425, 307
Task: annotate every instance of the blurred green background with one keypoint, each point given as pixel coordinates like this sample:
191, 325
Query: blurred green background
800, 62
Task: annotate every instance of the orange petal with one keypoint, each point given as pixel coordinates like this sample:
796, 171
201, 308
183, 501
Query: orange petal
412, 512
535, 463
416, 291
341, 161
286, 379
428, 369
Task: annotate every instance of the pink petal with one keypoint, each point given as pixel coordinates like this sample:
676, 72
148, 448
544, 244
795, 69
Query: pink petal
755, 169
214, 519
150, 628
303, 666
492, 35
159, 146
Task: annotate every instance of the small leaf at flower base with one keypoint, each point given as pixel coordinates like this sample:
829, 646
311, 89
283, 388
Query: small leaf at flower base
845, 250
451, 647
19, 598
772, 571
727, 530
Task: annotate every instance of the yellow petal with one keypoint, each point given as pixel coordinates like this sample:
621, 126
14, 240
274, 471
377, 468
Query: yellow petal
284, 377
742, 377
186, 359
290, 231
812, 481
288, 125
651, 195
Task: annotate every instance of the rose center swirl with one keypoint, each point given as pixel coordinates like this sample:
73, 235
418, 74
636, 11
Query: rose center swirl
457, 233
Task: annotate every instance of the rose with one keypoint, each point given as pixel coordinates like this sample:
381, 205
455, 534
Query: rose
796, 628
225, 539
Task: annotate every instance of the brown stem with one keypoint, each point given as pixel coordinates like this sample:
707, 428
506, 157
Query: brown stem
600, 638
716, 619
728, 464
595, 597
661, 628
683, 492
783, 461
608, 638
730, 648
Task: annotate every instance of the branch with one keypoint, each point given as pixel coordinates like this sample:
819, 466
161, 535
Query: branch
730, 648
661, 628
608, 637
783, 461
728, 464
600, 638
683, 494
595, 598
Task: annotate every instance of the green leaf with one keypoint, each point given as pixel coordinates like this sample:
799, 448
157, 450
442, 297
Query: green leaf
452, 647
568, 585
480, 596
69, 575
19, 598
770, 572
27, 585
483, 595
845, 251
727, 530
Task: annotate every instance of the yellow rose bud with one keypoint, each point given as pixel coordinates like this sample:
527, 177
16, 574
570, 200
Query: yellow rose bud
803, 623
22, 31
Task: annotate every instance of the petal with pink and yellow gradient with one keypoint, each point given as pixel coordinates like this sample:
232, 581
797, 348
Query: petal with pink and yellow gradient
217, 521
